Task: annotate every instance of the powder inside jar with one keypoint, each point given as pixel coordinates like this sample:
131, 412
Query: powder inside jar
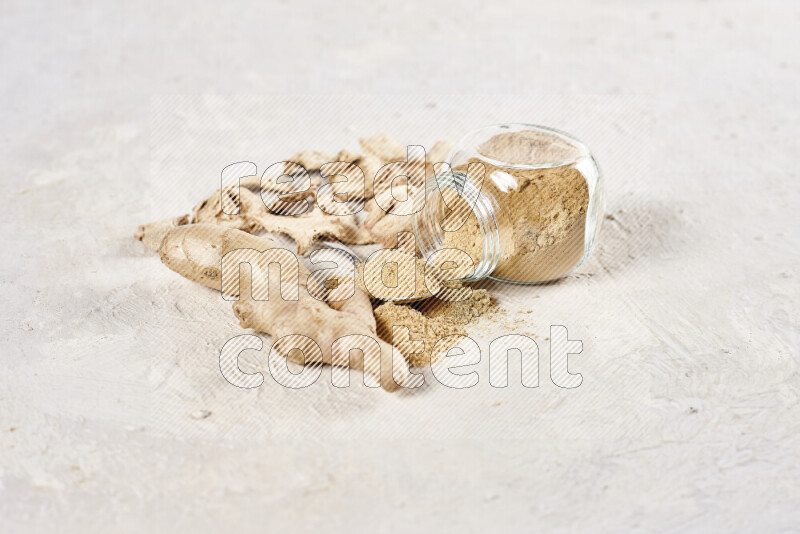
541, 215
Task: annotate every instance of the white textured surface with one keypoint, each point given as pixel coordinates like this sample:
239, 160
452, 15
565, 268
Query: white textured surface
687, 419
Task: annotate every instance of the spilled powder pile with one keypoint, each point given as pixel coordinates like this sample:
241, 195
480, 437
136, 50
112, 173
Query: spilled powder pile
435, 321
463, 311
392, 270
393, 276
542, 212
428, 319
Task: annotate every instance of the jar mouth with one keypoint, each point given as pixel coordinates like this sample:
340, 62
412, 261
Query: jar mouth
474, 138
430, 213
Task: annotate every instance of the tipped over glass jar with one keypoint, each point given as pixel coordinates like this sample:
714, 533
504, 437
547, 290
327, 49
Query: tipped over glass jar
525, 202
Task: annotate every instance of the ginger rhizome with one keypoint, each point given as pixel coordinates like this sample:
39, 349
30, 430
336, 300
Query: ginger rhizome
196, 251
352, 198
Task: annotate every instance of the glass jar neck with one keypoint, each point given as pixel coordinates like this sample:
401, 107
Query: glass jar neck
429, 217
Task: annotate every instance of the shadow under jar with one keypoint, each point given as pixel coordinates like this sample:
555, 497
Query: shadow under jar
535, 217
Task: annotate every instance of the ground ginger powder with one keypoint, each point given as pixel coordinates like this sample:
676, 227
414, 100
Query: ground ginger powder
432, 320
541, 213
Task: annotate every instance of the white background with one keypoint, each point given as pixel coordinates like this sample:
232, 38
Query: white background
687, 418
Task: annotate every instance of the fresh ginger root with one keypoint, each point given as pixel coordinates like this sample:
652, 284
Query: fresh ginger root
210, 211
152, 234
195, 251
325, 325
384, 147
306, 228
383, 203
383, 225
194, 245
385, 231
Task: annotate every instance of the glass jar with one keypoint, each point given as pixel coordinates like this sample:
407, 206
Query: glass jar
530, 203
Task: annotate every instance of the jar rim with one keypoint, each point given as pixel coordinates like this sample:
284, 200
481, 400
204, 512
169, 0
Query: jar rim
481, 206
520, 126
